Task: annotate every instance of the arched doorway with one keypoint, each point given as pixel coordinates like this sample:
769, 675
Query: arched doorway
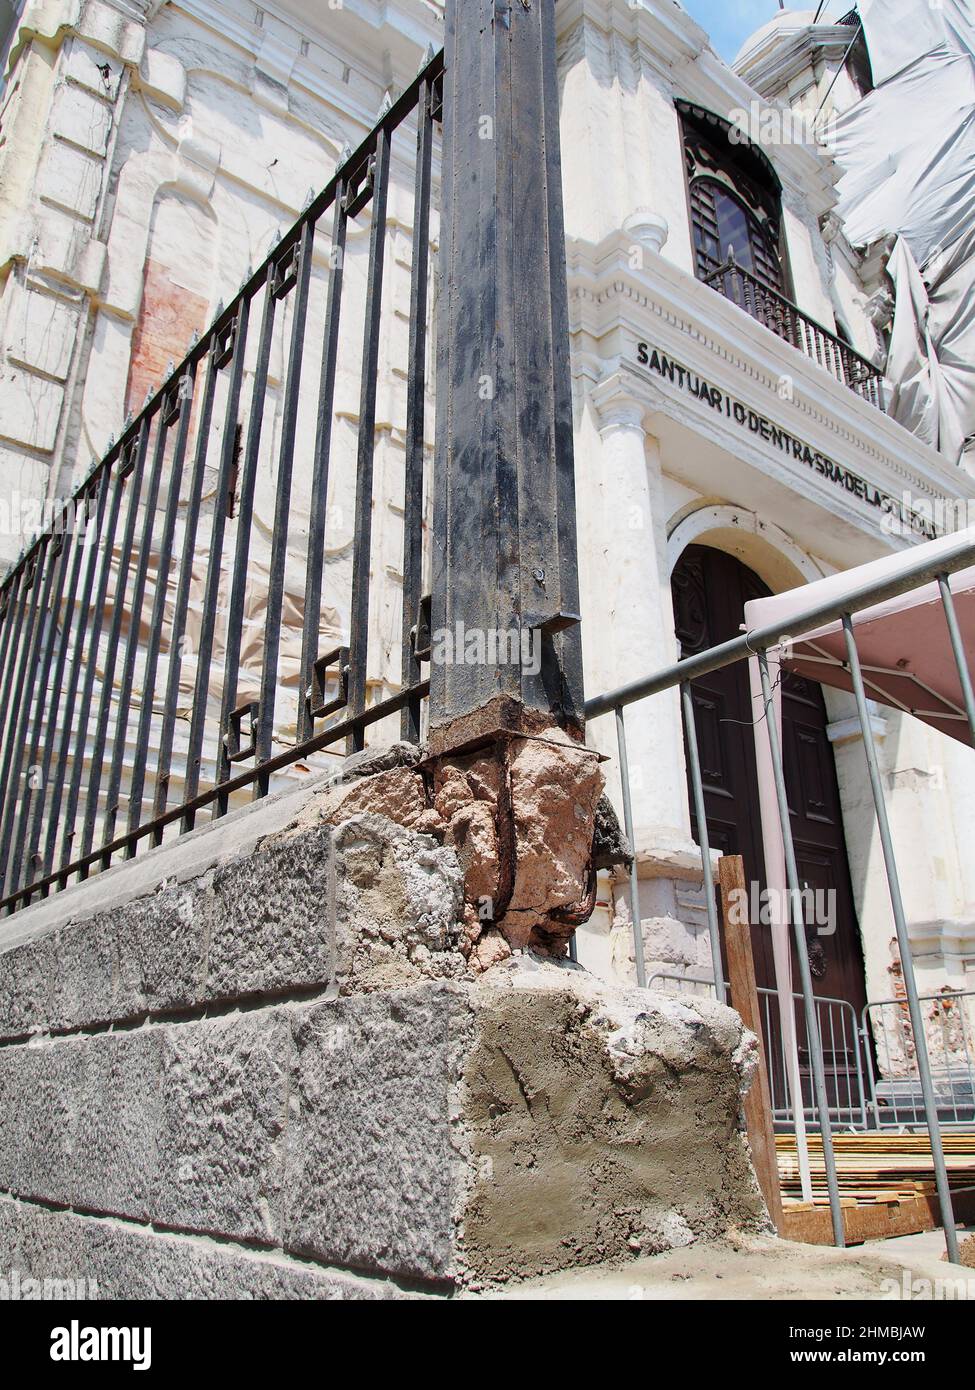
710, 589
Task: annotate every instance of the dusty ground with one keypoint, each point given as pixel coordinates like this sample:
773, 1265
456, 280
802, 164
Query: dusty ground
757, 1268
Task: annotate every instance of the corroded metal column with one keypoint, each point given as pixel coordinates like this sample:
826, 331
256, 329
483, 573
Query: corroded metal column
505, 585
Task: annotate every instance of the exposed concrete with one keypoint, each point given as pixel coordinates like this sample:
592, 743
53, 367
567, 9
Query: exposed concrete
605, 1122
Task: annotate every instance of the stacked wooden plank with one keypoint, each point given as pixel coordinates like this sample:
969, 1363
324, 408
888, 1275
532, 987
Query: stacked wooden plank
877, 1166
886, 1184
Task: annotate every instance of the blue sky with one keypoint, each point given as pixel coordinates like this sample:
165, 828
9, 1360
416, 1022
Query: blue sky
729, 22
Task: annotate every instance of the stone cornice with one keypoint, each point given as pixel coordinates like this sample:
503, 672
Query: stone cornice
773, 65
612, 307
954, 936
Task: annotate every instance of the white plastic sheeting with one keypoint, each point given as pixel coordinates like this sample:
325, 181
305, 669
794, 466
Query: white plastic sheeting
908, 154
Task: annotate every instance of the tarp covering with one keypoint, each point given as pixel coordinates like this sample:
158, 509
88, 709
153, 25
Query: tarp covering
908, 154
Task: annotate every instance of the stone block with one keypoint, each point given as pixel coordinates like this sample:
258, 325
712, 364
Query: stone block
70, 179
374, 1176
82, 119
219, 1130
97, 1258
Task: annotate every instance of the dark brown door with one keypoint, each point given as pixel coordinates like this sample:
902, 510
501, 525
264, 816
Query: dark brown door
710, 590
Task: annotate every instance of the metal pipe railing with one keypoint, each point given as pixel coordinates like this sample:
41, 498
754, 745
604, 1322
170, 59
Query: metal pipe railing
956, 554
953, 554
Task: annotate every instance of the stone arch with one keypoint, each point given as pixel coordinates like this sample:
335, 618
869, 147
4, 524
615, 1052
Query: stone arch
761, 545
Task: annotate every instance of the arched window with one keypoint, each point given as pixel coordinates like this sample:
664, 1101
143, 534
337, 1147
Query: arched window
735, 200
724, 226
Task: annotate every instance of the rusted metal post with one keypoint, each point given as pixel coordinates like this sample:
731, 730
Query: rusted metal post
504, 543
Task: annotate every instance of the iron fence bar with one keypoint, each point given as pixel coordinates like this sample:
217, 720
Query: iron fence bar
20, 641
88, 616
91, 665
118, 614
415, 412
244, 517
382, 709
637, 921
194, 752
137, 602
315, 558
187, 403
813, 1039
14, 757
51, 609
359, 605
697, 786
180, 611
903, 941
282, 506
14, 606
86, 539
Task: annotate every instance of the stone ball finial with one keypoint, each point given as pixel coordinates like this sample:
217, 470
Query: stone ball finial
647, 228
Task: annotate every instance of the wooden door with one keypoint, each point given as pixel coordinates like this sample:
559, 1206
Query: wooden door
710, 590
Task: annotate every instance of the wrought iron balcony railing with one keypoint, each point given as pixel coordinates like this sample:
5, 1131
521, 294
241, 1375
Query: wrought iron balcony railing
789, 322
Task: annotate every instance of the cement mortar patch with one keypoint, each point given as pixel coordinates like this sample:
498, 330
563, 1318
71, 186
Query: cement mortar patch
605, 1123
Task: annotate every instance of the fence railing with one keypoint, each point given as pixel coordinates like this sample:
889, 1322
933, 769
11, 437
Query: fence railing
843, 1069
895, 1082
850, 1100
952, 557
788, 321
198, 617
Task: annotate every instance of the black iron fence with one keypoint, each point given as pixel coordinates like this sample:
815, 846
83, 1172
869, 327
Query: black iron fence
789, 322
200, 615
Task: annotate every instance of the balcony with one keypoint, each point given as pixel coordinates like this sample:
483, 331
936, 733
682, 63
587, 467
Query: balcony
788, 321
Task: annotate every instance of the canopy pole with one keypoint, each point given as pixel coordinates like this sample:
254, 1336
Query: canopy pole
637, 922
694, 766
904, 944
778, 923
794, 897
958, 648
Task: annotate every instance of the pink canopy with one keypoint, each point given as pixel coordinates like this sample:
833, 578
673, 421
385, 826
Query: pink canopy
904, 650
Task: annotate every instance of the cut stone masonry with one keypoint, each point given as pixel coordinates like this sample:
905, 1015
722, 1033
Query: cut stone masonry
266, 1061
